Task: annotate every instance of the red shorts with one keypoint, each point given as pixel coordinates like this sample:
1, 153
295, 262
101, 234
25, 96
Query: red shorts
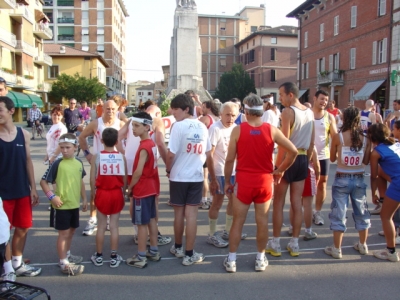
19, 212
109, 202
248, 195
310, 188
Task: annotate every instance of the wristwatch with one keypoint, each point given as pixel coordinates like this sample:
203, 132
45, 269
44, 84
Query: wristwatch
86, 152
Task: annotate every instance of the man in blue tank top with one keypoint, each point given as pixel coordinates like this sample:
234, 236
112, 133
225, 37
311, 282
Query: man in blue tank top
367, 117
19, 198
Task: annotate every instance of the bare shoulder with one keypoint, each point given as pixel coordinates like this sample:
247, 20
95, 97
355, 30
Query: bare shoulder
158, 123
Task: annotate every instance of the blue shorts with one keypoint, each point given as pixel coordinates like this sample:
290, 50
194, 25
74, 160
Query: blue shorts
393, 192
221, 182
352, 187
144, 210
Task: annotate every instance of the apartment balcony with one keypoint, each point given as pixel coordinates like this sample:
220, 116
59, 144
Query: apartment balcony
43, 60
66, 37
43, 32
20, 12
10, 78
44, 87
331, 78
8, 37
65, 20
8, 4
24, 83
65, 2
23, 47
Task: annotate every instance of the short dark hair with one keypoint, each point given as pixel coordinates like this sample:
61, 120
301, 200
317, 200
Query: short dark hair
290, 87
57, 110
321, 92
183, 101
213, 106
189, 92
7, 102
149, 103
110, 137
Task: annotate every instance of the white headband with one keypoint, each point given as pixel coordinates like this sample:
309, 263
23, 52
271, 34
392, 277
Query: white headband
67, 140
254, 107
142, 121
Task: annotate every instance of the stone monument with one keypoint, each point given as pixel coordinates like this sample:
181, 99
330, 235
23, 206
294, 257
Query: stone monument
185, 52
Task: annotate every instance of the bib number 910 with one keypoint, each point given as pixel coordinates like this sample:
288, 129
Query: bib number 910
194, 148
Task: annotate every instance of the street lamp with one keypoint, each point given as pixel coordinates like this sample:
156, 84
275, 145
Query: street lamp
207, 77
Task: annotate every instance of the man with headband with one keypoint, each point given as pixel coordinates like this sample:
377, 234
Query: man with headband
252, 144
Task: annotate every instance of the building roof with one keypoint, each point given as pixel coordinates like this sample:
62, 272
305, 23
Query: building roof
122, 4
223, 17
54, 51
306, 5
252, 7
283, 30
160, 85
146, 87
139, 83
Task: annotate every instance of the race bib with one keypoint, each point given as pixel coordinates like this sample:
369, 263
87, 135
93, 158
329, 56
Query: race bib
194, 143
395, 148
111, 164
352, 158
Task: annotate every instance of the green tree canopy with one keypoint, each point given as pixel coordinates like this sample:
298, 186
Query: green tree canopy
78, 87
235, 84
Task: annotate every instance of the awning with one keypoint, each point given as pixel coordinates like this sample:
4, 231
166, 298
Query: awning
20, 99
367, 90
36, 99
39, 15
302, 92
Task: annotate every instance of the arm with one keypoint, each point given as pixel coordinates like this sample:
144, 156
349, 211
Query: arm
56, 201
93, 172
160, 142
317, 167
83, 195
169, 162
123, 134
286, 116
89, 130
312, 143
143, 156
374, 158
372, 117
367, 153
123, 117
214, 186
334, 147
29, 169
332, 127
125, 176
230, 159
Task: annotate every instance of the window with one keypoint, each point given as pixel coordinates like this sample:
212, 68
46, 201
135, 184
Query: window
382, 49
222, 25
306, 39
352, 58
254, 42
222, 44
253, 29
320, 65
381, 7
273, 53
252, 75
274, 40
336, 25
353, 17
351, 95
149, 93
321, 32
252, 55
222, 61
85, 47
247, 46
273, 75
304, 73
336, 63
53, 72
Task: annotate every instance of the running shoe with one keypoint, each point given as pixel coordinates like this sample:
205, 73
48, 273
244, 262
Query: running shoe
163, 240
230, 265
376, 210
386, 255
225, 235
137, 262
334, 252
153, 256
74, 259
217, 241
178, 252
205, 204
9, 277
115, 261
261, 264
27, 270
308, 236
194, 259
290, 231
72, 270
97, 260
293, 249
273, 248
90, 228
363, 249
318, 218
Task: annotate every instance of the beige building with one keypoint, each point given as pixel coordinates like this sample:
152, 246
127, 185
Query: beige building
23, 27
132, 93
218, 36
94, 26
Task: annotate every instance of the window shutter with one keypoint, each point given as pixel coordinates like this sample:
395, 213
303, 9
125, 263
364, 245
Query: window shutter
353, 16
384, 50
330, 63
374, 45
318, 67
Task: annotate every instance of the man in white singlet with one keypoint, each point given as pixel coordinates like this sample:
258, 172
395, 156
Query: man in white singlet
95, 128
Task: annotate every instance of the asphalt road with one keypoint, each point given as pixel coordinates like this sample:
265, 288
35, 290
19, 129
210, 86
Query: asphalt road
312, 275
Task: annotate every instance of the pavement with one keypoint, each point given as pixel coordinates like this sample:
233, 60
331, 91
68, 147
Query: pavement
312, 275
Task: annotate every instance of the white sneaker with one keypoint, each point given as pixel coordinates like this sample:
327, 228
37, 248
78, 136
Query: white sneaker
318, 218
230, 265
273, 248
377, 209
363, 249
27, 270
385, 254
90, 228
293, 249
217, 241
261, 264
334, 252
9, 277
194, 259
205, 204
178, 252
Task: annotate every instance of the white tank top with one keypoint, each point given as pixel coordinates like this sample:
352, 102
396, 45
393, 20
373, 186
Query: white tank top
321, 140
97, 145
301, 130
350, 161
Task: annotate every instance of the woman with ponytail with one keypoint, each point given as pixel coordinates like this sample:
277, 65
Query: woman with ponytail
351, 149
387, 155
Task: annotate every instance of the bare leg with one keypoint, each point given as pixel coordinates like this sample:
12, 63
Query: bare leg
19, 240
191, 226
153, 230
215, 206
101, 230
337, 239
142, 237
261, 211
114, 230
389, 207
296, 190
278, 203
321, 192
239, 217
64, 242
179, 223
205, 185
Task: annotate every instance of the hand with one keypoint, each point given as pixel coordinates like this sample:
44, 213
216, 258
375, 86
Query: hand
277, 176
214, 187
52, 159
34, 197
84, 205
56, 201
89, 157
375, 199
129, 192
228, 189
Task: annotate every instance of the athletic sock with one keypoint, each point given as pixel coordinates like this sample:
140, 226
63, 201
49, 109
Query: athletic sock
391, 250
228, 223
153, 249
8, 268
213, 225
64, 262
142, 254
113, 253
276, 240
99, 254
16, 261
308, 230
203, 199
94, 219
295, 241
68, 253
260, 255
178, 246
189, 253
232, 256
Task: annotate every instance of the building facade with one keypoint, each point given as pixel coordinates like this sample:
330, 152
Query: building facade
145, 93
94, 26
269, 56
23, 28
132, 93
344, 48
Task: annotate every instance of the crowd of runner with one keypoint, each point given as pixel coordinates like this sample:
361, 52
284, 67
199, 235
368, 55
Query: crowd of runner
250, 154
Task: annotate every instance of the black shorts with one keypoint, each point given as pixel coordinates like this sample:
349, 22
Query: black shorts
2, 253
298, 171
324, 165
185, 193
64, 219
144, 210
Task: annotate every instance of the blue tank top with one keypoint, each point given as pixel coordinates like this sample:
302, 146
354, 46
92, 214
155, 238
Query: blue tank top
14, 183
238, 120
390, 161
365, 120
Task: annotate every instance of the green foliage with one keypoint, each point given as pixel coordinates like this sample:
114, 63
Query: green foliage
234, 84
78, 87
165, 103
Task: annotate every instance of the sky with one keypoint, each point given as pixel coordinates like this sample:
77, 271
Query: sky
150, 24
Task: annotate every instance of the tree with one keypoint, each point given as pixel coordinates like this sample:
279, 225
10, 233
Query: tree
235, 84
78, 87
